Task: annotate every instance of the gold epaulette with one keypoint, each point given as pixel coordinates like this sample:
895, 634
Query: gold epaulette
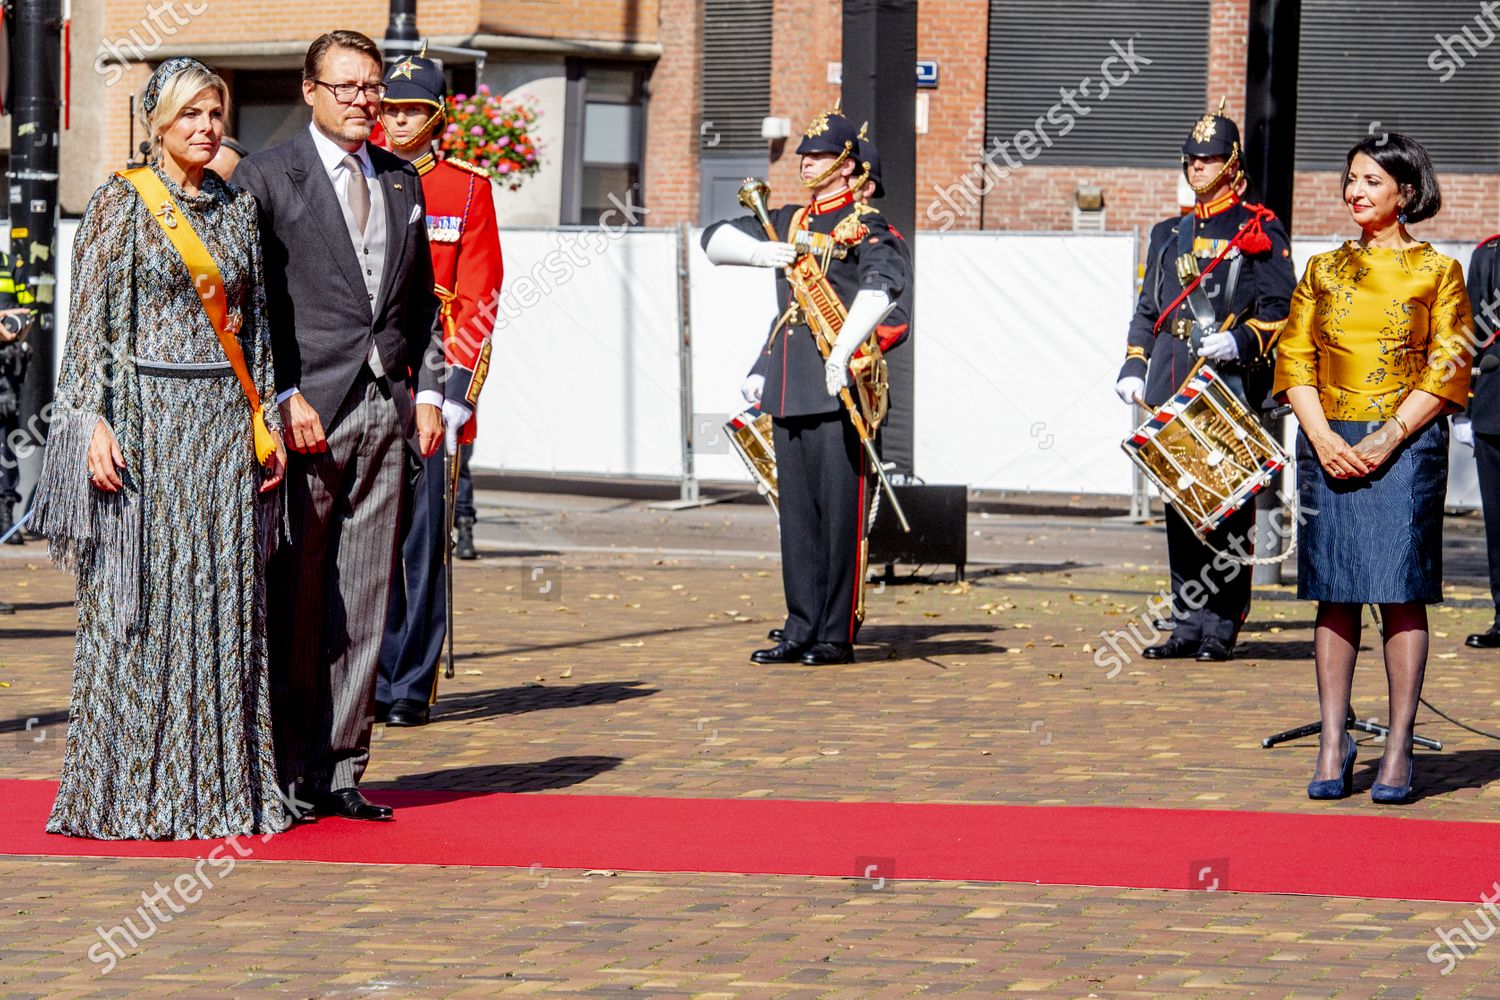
462, 165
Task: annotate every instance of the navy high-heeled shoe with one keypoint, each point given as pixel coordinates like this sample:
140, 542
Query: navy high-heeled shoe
1335, 788
1393, 794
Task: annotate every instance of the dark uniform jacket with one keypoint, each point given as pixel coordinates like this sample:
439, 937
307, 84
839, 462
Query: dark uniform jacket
1484, 298
791, 362
1259, 301
15, 355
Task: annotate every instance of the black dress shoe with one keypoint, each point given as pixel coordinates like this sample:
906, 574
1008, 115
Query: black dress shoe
463, 546
784, 651
407, 712
825, 653
1175, 648
776, 634
1215, 650
382, 711
1485, 640
6, 608
351, 804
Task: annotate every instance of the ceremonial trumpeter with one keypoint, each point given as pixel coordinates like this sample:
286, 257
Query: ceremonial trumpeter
467, 271
846, 255
1216, 287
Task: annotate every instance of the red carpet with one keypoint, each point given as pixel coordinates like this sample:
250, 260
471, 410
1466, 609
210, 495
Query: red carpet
1321, 855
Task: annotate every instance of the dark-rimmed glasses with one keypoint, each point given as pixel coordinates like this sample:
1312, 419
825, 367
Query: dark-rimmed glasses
345, 93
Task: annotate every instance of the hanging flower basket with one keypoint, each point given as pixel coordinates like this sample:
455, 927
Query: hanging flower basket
493, 134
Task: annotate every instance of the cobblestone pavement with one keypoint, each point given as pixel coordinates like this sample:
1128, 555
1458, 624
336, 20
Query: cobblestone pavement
602, 649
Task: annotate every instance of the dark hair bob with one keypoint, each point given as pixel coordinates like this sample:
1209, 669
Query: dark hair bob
1405, 159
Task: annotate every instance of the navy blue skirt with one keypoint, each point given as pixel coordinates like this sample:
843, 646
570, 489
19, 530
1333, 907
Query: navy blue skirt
1376, 539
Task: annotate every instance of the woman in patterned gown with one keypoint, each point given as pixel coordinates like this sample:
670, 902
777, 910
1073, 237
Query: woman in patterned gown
151, 494
1375, 354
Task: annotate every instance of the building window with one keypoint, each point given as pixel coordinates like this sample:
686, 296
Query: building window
735, 95
267, 107
1430, 70
1094, 82
606, 138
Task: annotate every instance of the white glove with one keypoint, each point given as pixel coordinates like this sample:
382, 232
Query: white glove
1463, 431
455, 415
733, 246
865, 313
1219, 347
1131, 389
753, 387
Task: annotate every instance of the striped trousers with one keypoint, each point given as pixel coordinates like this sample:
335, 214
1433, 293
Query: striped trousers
330, 585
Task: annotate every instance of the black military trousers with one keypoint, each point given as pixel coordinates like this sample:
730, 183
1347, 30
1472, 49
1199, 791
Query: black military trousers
1209, 597
416, 624
824, 497
1487, 457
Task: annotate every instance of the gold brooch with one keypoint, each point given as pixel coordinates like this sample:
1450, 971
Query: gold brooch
167, 214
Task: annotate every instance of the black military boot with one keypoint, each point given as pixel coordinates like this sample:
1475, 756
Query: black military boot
464, 546
7, 521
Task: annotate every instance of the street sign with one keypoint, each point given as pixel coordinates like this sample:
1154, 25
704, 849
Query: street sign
927, 73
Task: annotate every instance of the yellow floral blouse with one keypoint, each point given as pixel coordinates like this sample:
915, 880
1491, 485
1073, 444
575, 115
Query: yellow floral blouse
1369, 324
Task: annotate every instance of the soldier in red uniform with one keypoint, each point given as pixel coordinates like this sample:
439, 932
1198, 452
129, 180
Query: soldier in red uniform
466, 273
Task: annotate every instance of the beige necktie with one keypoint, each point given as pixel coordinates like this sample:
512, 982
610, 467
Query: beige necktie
358, 192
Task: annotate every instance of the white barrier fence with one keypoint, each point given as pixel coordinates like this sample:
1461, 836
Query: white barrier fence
1018, 338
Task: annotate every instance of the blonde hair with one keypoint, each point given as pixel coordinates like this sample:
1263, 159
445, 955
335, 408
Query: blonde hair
179, 91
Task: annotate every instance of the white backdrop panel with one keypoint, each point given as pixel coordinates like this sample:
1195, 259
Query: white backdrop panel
1018, 341
586, 377
730, 309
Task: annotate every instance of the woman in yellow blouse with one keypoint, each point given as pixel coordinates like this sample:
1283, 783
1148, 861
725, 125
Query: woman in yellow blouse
1375, 353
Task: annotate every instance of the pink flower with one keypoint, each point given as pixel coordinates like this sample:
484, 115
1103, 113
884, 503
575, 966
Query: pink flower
460, 98
450, 130
484, 88
504, 166
484, 163
530, 157
504, 141
476, 130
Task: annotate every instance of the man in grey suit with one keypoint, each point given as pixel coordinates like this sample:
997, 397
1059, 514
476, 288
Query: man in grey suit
352, 312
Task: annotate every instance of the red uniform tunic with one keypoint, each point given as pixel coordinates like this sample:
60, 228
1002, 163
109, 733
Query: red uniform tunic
466, 270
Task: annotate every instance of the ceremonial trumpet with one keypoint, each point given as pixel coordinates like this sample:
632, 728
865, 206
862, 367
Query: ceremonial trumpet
824, 315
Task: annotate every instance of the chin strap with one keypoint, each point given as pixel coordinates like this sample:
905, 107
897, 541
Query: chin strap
1231, 164
424, 134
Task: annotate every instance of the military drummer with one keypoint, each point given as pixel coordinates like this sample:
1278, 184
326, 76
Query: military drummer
1217, 286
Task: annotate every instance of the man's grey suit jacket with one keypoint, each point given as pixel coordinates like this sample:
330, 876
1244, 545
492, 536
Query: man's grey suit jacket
322, 319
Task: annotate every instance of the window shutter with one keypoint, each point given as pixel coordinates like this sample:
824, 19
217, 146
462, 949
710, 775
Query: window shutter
1039, 46
736, 80
1363, 62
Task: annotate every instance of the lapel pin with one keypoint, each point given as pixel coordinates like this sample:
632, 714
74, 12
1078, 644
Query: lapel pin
398, 187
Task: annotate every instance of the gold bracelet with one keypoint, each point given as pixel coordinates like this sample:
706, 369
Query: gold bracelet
1405, 430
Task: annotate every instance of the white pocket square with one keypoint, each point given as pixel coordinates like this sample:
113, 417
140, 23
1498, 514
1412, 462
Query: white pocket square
416, 213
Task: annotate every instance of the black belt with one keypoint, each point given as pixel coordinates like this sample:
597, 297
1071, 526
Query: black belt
168, 369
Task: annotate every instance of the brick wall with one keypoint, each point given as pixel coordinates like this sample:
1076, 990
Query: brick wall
673, 118
248, 21
615, 20
806, 35
956, 34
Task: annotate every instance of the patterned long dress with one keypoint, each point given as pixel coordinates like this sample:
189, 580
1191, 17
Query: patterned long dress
169, 727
